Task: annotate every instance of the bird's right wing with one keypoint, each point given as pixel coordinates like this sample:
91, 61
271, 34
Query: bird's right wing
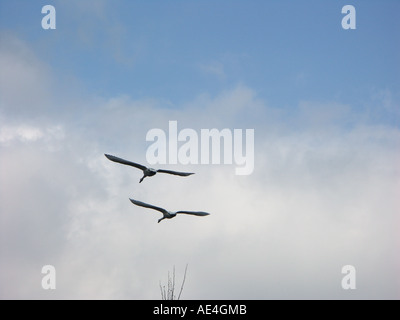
195, 213
146, 205
177, 173
123, 161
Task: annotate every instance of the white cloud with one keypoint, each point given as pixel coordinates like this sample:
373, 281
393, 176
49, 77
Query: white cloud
22, 133
25, 84
215, 68
318, 199
27, 133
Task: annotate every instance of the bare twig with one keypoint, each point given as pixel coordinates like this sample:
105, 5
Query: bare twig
169, 287
169, 292
173, 284
183, 282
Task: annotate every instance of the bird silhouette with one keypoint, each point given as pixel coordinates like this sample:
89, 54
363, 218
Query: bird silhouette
167, 214
147, 172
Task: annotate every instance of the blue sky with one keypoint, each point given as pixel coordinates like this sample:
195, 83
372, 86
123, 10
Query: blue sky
175, 50
324, 104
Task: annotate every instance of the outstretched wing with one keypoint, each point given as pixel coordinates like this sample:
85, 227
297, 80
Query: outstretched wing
177, 173
146, 205
195, 213
123, 161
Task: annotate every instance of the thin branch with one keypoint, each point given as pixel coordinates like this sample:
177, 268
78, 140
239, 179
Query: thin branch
183, 282
173, 284
169, 287
168, 292
163, 294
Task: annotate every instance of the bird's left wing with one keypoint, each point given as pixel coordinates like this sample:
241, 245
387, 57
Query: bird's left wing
177, 173
146, 205
126, 162
195, 213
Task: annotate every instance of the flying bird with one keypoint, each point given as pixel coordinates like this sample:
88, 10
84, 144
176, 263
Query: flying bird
147, 172
167, 214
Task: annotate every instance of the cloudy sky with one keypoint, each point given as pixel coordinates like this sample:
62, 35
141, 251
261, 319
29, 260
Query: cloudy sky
325, 106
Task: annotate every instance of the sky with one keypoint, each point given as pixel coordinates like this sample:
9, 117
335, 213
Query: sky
324, 104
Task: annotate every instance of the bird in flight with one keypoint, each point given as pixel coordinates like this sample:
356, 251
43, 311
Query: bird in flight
147, 172
167, 214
